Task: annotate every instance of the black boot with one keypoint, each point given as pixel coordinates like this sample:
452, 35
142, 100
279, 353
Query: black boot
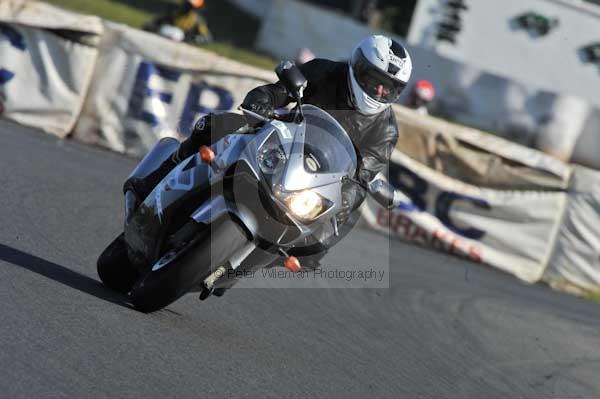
209, 129
143, 186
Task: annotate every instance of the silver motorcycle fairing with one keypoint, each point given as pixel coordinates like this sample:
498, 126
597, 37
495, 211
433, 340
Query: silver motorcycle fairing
193, 181
328, 131
216, 207
190, 182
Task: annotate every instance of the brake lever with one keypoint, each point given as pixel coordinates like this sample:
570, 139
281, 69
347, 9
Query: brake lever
254, 114
290, 117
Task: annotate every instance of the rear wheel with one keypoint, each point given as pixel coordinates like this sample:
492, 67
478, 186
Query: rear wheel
179, 274
114, 268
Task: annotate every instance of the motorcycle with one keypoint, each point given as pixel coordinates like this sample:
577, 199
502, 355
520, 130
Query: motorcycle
196, 32
238, 205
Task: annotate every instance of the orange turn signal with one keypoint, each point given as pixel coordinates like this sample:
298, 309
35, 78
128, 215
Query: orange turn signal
292, 264
206, 154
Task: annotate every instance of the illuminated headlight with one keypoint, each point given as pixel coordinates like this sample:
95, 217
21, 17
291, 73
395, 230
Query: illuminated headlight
306, 205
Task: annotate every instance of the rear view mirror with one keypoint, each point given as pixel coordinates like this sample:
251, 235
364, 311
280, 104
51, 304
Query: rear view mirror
292, 78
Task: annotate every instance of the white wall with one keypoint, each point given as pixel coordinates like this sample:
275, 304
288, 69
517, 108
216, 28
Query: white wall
490, 42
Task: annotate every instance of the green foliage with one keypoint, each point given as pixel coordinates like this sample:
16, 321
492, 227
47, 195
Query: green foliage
242, 55
594, 295
109, 9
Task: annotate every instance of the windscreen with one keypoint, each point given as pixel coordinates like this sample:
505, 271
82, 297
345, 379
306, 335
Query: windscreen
327, 147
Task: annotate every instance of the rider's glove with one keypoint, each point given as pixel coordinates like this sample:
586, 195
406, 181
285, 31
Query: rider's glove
201, 135
259, 102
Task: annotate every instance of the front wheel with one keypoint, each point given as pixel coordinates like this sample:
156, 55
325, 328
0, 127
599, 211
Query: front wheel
114, 268
159, 288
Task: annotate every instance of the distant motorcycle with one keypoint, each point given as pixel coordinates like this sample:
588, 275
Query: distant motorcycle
196, 33
239, 205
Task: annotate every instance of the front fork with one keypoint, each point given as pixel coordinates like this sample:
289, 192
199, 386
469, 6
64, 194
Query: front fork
208, 285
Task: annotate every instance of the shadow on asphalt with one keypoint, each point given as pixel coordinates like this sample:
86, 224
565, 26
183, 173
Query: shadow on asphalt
61, 275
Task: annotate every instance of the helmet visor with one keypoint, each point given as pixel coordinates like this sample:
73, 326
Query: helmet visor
378, 84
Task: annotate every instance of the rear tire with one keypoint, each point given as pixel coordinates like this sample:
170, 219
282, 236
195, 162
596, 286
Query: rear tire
114, 268
158, 289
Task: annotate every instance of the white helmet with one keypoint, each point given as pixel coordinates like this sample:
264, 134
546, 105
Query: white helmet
379, 70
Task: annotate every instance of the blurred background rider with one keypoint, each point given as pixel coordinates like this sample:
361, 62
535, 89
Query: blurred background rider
182, 22
421, 96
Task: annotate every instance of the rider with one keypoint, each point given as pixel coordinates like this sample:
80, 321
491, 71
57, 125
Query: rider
421, 96
185, 16
358, 94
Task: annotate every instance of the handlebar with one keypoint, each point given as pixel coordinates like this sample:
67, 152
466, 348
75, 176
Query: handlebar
380, 190
254, 114
289, 117
384, 193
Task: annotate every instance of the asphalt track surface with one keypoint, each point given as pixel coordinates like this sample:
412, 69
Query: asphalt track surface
444, 329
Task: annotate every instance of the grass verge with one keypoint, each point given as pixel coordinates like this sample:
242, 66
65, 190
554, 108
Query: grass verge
594, 295
137, 12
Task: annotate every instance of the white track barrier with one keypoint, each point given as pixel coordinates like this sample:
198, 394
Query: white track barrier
510, 230
147, 87
466, 192
47, 57
575, 261
494, 202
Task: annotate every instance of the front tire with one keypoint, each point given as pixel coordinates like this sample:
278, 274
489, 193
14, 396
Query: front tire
114, 268
157, 289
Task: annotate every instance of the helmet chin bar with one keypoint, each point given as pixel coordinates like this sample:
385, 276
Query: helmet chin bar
361, 100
